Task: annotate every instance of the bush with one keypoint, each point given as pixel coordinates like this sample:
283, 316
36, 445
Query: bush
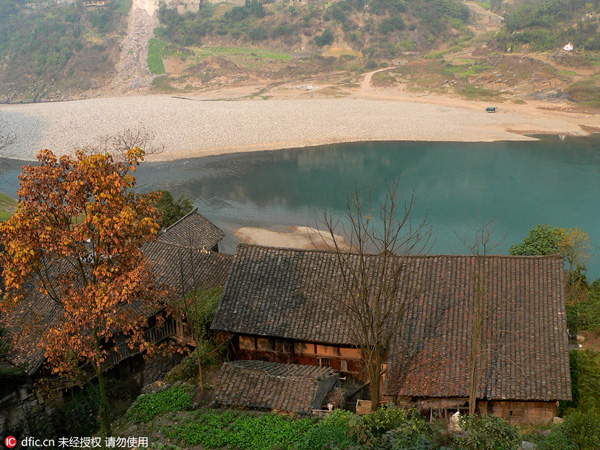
372, 426
184, 371
583, 430
487, 433
147, 407
258, 34
371, 65
79, 416
542, 240
411, 435
331, 432
172, 210
237, 14
586, 313
324, 39
579, 431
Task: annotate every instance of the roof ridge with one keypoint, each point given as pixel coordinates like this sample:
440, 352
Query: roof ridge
265, 370
428, 256
195, 210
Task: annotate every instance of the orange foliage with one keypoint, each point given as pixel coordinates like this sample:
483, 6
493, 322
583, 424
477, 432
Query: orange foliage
77, 236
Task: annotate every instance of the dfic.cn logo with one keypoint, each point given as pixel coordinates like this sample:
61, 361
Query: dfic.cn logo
10, 441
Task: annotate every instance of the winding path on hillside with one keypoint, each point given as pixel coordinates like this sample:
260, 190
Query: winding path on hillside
365, 84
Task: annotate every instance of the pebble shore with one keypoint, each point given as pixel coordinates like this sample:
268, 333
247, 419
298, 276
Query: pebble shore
193, 127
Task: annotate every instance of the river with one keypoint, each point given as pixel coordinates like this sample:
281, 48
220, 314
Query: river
456, 186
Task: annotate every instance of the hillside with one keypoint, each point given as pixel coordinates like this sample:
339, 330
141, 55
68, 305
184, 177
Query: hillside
56, 52
494, 51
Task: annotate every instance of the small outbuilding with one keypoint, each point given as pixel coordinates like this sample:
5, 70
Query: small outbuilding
262, 385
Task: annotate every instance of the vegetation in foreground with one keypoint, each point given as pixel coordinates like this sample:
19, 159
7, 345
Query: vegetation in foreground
389, 428
8, 206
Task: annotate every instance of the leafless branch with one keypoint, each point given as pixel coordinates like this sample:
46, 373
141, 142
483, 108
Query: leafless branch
120, 143
7, 137
373, 292
480, 243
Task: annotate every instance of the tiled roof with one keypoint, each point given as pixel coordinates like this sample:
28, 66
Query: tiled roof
272, 386
184, 268
192, 230
180, 268
280, 293
35, 312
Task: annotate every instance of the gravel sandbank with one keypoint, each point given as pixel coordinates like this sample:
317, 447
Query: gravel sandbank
295, 237
193, 127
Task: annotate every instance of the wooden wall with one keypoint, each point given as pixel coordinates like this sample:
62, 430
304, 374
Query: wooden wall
345, 360
534, 413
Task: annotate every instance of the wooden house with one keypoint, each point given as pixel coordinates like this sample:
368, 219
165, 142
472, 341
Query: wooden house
183, 260
276, 307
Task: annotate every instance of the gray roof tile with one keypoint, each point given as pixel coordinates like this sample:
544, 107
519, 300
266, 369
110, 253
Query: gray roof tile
279, 293
269, 386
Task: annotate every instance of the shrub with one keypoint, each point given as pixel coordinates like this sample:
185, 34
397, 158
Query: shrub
371, 65
172, 210
556, 440
542, 240
331, 432
237, 14
579, 431
258, 34
583, 430
414, 434
185, 370
585, 375
586, 313
391, 24
79, 416
147, 407
326, 38
487, 433
389, 417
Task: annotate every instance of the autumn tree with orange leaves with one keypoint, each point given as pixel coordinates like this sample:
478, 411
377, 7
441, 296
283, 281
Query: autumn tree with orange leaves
77, 237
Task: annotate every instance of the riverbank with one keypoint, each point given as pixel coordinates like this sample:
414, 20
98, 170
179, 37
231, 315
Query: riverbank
300, 237
193, 127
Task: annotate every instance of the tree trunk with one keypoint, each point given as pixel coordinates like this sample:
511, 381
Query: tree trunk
200, 370
104, 412
375, 378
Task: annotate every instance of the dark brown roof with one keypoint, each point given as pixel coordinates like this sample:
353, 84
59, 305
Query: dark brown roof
192, 230
180, 268
185, 268
273, 386
279, 292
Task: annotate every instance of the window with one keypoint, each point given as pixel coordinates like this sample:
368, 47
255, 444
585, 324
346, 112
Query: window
324, 362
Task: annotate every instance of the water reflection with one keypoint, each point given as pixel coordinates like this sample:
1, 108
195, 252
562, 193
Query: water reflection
519, 184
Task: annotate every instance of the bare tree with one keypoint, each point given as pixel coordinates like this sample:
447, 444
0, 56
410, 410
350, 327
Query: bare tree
480, 244
372, 295
120, 143
196, 304
7, 137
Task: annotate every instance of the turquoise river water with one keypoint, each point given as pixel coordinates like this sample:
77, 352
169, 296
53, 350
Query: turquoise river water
456, 185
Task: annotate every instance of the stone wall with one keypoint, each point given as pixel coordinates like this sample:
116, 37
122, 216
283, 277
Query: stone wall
25, 412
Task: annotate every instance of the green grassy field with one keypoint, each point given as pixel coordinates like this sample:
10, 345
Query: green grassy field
8, 207
155, 50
